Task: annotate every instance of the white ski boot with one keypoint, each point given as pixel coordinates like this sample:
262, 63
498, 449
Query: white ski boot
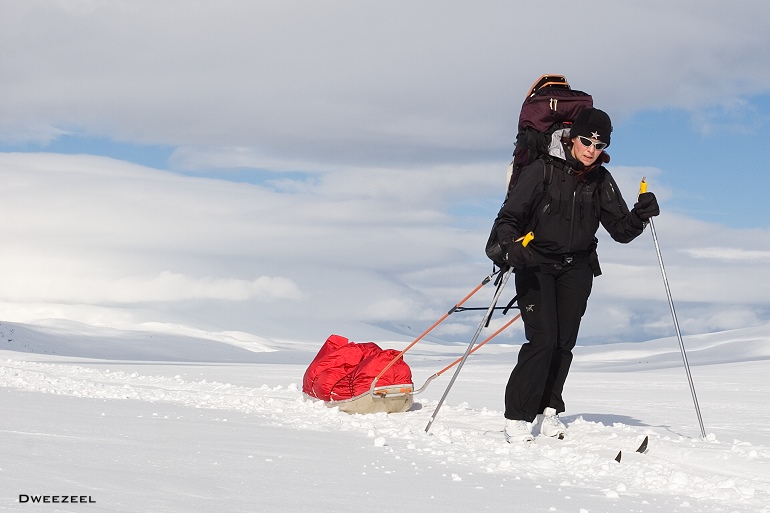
550, 425
517, 431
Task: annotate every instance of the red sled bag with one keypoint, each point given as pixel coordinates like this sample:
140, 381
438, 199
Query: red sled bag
344, 370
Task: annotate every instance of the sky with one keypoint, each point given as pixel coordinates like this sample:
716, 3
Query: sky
294, 169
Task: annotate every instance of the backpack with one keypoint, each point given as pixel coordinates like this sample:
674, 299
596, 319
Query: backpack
550, 105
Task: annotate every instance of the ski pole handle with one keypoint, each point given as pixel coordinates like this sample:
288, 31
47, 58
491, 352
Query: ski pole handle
642, 186
525, 239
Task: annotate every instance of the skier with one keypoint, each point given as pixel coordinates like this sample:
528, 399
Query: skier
562, 198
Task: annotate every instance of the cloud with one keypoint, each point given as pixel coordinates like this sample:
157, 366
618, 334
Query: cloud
728, 253
353, 250
200, 158
167, 287
375, 145
734, 115
300, 83
97, 231
170, 286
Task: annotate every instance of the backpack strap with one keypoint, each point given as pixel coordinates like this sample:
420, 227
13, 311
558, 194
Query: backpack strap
548, 166
547, 173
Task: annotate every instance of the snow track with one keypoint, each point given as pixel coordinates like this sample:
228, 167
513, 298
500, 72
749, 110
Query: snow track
735, 476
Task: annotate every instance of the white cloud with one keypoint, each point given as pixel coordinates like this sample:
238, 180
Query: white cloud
271, 85
81, 229
82, 235
165, 287
728, 253
200, 158
391, 134
168, 286
392, 308
734, 115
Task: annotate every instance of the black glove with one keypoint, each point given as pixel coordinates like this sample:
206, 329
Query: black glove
518, 256
646, 207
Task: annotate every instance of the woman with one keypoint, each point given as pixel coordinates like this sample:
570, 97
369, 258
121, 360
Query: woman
562, 198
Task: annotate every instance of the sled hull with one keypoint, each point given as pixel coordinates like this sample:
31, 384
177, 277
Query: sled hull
393, 399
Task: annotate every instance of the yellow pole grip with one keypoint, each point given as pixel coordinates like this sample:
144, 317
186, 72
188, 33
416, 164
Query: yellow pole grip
526, 239
643, 186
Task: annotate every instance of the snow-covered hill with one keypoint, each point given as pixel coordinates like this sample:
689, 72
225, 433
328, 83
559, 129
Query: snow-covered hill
166, 418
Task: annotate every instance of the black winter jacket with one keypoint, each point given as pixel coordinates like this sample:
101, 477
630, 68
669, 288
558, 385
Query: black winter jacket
564, 210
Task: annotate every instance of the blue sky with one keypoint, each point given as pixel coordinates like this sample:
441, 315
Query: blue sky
298, 168
145, 154
719, 173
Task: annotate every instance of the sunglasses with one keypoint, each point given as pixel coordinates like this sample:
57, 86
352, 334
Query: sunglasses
585, 141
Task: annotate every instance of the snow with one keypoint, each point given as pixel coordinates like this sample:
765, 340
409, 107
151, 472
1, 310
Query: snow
166, 418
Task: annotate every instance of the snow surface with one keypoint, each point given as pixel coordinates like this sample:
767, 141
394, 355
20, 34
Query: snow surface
163, 418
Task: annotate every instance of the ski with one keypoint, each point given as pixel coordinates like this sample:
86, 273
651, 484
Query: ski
642, 449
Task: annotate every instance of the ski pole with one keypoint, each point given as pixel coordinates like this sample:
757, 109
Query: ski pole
470, 347
643, 189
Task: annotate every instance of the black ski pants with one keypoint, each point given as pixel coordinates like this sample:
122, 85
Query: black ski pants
552, 300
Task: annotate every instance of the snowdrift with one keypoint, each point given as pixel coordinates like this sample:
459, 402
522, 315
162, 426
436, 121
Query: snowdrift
342, 373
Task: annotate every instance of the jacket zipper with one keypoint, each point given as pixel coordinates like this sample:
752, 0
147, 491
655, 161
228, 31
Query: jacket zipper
572, 218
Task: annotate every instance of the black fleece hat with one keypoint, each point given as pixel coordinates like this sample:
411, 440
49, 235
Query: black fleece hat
592, 123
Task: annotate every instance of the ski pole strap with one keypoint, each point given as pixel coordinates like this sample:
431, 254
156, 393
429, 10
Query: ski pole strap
471, 308
500, 283
510, 304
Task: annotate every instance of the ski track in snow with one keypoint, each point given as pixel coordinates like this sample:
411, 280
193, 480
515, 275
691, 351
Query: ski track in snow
730, 474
